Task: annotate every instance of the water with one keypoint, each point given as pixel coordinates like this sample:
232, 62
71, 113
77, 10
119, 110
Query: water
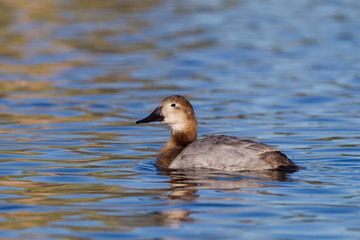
75, 77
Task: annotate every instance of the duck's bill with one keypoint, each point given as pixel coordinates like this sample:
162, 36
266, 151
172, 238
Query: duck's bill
155, 116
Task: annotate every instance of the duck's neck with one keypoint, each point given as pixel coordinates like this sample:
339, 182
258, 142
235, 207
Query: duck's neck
177, 142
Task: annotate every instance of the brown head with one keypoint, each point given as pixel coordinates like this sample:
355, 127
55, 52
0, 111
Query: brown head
176, 111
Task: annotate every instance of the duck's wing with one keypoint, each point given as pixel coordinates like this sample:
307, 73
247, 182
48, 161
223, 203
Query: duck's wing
229, 153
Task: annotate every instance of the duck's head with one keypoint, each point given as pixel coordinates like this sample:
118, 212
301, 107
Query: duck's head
174, 110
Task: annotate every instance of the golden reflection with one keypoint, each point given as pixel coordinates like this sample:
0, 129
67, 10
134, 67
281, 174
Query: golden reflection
17, 220
42, 193
48, 69
53, 16
21, 85
54, 196
28, 119
122, 6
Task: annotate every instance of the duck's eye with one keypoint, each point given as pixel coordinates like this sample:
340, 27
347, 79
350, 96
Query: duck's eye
173, 105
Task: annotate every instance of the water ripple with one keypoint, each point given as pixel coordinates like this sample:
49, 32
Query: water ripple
75, 77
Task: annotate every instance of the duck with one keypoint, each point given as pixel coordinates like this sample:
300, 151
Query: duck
218, 152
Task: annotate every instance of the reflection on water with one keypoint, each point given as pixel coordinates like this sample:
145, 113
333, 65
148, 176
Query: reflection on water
185, 184
75, 76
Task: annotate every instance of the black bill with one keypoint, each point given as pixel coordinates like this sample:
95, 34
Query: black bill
155, 116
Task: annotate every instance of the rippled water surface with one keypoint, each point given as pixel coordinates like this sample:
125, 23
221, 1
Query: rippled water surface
76, 75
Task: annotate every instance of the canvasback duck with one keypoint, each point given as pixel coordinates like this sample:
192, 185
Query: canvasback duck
225, 153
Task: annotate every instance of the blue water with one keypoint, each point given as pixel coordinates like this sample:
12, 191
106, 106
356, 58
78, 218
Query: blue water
75, 76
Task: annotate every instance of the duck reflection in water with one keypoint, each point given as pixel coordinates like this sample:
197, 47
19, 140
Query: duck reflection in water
184, 184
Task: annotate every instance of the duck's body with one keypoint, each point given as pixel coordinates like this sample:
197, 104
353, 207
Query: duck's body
229, 153
225, 153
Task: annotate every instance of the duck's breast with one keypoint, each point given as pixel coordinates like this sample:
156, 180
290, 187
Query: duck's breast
230, 154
